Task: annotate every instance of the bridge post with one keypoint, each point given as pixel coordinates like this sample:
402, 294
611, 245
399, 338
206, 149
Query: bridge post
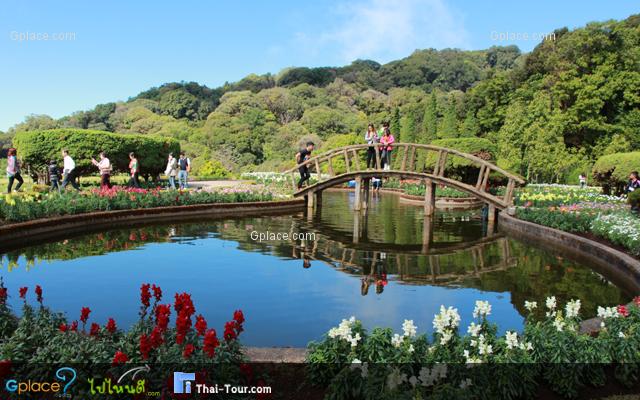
356, 227
310, 200
365, 194
429, 197
491, 219
357, 204
427, 233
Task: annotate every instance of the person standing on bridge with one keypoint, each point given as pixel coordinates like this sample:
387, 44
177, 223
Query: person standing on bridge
387, 140
302, 156
371, 137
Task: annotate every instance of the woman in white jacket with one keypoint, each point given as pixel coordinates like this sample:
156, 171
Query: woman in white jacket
172, 170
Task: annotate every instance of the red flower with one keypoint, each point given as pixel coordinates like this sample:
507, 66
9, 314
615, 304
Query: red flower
95, 329
39, 293
132, 236
230, 330
111, 326
201, 325
183, 324
162, 316
210, 343
157, 292
63, 327
3, 295
636, 300
119, 358
145, 346
74, 326
23, 292
183, 303
238, 316
145, 295
84, 314
188, 350
156, 337
622, 310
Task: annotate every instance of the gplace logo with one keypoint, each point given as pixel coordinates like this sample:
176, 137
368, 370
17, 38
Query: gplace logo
65, 374
183, 382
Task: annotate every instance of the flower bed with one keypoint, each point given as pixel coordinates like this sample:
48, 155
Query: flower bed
28, 206
577, 210
550, 352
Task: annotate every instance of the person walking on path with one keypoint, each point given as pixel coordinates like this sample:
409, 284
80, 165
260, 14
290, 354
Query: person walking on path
387, 141
13, 170
54, 176
302, 156
371, 137
134, 169
184, 166
583, 181
104, 166
172, 170
69, 171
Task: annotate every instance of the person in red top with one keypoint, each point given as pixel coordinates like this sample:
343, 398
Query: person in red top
134, 169
387, 140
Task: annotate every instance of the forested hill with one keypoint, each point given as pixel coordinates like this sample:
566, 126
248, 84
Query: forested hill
550, 113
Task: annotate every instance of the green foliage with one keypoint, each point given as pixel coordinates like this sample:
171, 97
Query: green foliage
430, 120
479, 147
612, 171
565, 221
212, 169
37, 148
449, 124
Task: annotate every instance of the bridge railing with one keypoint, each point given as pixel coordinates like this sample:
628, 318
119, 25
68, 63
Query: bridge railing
405, 158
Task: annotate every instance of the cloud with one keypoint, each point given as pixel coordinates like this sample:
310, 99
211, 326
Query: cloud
388, 29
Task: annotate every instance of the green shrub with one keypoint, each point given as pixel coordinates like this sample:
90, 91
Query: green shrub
37, 148
565, 221
612, 171
634, 199
459, 167
212, 169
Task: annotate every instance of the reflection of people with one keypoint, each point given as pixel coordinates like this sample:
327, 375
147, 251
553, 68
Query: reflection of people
377, 183
302, 156
306, 263
364, 286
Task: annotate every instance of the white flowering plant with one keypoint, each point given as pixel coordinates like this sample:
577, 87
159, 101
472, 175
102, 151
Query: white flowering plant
477, 362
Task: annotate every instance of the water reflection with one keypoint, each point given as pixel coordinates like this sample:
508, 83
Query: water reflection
383, 265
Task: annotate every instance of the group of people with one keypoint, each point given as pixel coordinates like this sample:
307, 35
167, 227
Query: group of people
383, 137
59, 179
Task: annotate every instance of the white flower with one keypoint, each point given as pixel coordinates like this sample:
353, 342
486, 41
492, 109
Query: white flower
482, 309
474, 329
343, 331
473, 343
526, 346
608, 312
445, 337
465, 383
558, 324
530, 305
572, 309
355, 361
551, 303
354, 339
396, 340
409, 328
411, 349
511, 339
622, 335
447, 318
395, 379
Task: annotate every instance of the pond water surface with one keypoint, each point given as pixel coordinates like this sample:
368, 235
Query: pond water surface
293, 291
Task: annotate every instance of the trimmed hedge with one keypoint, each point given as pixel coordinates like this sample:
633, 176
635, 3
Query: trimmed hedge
612, 171
479, 147
37, 148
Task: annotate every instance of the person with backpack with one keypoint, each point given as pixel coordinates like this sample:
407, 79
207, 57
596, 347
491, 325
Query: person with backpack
54, 176
184, 167
13, 170
302, 156
134, 169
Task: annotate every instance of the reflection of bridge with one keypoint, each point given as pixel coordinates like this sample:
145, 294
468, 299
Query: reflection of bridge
352, 167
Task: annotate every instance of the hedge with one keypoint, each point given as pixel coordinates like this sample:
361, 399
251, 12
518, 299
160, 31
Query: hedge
459, 167
612, 171
37, 148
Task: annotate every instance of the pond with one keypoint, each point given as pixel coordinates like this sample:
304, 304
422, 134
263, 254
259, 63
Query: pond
375, 267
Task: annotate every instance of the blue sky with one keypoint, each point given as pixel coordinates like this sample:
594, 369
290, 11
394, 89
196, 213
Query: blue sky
115, 49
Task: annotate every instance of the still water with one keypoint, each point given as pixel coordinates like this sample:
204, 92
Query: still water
380, 268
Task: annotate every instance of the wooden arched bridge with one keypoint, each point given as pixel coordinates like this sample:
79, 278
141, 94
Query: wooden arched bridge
344, 164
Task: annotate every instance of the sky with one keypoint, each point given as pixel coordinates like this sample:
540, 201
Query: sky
64, 56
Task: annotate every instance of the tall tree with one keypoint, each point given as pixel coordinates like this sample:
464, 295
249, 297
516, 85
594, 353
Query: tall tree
430, 119
470, 126
449, 124
394, 123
